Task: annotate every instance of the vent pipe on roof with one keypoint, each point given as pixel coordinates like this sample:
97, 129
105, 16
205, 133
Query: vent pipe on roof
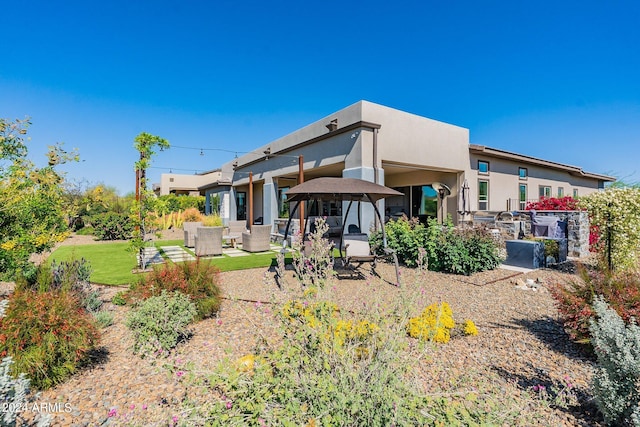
333, 125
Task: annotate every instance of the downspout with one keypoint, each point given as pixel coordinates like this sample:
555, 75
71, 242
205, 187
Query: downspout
375, 172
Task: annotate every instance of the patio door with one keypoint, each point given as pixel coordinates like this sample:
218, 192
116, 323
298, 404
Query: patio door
424, 202
241, 205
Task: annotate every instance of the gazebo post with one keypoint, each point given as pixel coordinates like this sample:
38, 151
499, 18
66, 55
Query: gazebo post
343, 224
286, 230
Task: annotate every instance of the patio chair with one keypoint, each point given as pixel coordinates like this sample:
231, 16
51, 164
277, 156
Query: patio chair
237, 228
258, 240
190, 232
208, 241
357, 251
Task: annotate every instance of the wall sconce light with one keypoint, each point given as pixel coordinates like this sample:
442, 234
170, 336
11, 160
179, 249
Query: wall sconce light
201, 152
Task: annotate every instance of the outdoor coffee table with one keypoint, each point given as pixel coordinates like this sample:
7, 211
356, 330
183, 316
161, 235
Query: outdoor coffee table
231, 238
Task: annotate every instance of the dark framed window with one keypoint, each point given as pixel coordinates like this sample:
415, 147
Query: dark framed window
523, 173
545, 191
483, 195
483, 166
522, 193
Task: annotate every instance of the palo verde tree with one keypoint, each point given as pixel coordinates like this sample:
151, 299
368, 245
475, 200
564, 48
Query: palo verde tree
31, 214
145, 143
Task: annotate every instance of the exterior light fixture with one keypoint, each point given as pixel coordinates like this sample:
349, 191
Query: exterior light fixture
201, 152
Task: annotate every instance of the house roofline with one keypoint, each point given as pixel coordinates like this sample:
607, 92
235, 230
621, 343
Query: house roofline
502, 154
348, 128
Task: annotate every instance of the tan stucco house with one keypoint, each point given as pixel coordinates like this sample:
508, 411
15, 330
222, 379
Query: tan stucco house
400, 150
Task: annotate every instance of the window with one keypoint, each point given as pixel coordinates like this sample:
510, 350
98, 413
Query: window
560, 192
545, 191
523, 196
483, 195
483, 167
575, 193
523, 173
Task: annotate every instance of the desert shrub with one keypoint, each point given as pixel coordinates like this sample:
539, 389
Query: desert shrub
330, 369
616, 379
160, 322
313, 263
15, 391
434, 324
197, 279
70, 276
112, 226
103, 318
575, 301
213, 220
192, 215
48, 334
119, 298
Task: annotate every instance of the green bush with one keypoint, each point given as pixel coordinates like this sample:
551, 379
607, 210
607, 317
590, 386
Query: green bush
615, 381
406, 237
174, 203
160, 322
48, 334
112, 226
197, 279
443, 247
468, 251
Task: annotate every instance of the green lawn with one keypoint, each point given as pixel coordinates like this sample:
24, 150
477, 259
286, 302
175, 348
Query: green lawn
112, 263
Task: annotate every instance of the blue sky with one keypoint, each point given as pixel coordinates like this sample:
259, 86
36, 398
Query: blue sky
557, 80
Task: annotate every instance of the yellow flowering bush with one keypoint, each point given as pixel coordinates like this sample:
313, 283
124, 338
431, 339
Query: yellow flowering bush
336, 331
434, 324
469, 328
616, 211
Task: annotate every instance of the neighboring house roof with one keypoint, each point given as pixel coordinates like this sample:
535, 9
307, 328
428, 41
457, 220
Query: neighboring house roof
502, 154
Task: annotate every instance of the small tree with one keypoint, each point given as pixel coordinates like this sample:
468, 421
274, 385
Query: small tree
31, 216
145, 143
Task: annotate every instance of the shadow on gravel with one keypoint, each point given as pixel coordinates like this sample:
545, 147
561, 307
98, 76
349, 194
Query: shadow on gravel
562, 396
551, 333
97, 356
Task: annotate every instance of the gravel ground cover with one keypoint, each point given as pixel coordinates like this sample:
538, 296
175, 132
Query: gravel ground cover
521, 346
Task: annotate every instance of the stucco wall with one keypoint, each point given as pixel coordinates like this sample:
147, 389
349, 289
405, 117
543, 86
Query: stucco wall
414, 140
504, 181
